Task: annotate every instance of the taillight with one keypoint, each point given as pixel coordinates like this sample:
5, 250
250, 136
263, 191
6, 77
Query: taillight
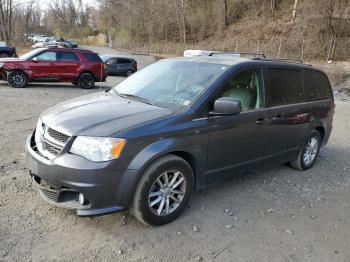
333, 107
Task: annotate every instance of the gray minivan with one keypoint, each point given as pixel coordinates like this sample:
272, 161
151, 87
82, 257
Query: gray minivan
175, 126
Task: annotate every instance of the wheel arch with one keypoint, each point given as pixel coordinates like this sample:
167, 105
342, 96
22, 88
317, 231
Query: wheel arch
83, 72
184, 149
9, 70
322, 132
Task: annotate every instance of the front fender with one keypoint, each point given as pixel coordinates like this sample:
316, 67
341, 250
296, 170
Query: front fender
145, 157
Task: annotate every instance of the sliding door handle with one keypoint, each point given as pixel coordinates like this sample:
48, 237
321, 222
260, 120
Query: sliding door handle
261, 121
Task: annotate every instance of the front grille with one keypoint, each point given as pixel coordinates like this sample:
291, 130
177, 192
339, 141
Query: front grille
52, 142
55, 150
58, 136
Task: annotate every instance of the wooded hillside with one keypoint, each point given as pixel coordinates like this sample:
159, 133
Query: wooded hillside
286, 28
300, 29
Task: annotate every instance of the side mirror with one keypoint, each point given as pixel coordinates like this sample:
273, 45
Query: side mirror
226, 106
35, 60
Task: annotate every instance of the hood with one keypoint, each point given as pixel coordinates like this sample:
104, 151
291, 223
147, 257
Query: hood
100, 114
10, 59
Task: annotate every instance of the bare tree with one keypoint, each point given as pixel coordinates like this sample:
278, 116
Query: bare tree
222, 16
337, 17
6, 7
295, 8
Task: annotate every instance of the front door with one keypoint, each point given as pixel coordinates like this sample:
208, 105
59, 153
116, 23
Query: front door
237, 142
44, 67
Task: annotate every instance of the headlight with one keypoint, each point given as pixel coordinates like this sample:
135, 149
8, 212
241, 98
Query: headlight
39, 132
1, 65
98, 149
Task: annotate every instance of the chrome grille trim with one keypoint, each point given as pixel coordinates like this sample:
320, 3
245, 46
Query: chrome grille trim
52, 142
57, 136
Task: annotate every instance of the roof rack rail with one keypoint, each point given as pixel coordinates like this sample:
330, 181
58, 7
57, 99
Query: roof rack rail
297, 61
238, 53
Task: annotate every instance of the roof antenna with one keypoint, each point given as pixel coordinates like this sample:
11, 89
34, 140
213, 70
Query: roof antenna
101, 76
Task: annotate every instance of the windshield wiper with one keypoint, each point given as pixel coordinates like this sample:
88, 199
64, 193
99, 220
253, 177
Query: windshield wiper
135, 97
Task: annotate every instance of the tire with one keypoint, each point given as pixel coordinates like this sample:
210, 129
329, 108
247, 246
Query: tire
86, 81
308, 148
163, 199
17, 79
129, 73
3, 55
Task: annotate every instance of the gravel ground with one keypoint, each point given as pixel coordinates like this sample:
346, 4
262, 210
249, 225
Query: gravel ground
277, 214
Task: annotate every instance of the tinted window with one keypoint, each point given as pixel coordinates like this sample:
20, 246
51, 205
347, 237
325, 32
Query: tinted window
123, 61
47, 56
112, 61
285, 87
67, 56
93, 58
317, 85
247, 87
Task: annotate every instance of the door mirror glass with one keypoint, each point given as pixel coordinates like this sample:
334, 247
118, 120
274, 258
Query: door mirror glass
226, 106
35, 59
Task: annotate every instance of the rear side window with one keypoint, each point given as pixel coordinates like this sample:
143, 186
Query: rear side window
123, 61
67, 56
317, 85
93, 58
286, 87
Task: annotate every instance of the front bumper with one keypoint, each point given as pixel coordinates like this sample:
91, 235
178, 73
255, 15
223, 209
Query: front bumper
61, 179
2, 74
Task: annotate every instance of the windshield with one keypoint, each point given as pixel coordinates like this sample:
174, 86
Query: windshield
171, 83
30, 54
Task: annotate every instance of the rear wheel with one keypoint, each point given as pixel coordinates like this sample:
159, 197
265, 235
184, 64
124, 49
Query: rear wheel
17, 79
163, 191
309, 152
129, 73
86, 81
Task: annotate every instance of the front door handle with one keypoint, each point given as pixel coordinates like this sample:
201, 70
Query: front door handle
261, 121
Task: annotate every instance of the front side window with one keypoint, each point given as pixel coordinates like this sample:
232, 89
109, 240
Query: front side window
247, 87
286, 87
317, 85
172, 83
47, 56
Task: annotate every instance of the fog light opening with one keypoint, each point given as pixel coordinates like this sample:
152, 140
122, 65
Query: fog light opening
82, 200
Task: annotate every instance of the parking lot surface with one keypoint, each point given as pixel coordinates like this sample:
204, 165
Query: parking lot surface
277, 214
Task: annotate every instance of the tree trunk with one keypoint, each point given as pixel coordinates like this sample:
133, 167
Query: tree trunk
295, 8
222, 16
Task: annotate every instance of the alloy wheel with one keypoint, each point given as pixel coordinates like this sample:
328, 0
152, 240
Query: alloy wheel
17, 79
167, 192
310, 151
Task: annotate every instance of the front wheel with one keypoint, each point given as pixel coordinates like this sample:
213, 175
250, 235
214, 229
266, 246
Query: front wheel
17, 79
86, 81
163, 191
309, 152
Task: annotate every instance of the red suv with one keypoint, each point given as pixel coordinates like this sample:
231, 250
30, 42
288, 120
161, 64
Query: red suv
81, 67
